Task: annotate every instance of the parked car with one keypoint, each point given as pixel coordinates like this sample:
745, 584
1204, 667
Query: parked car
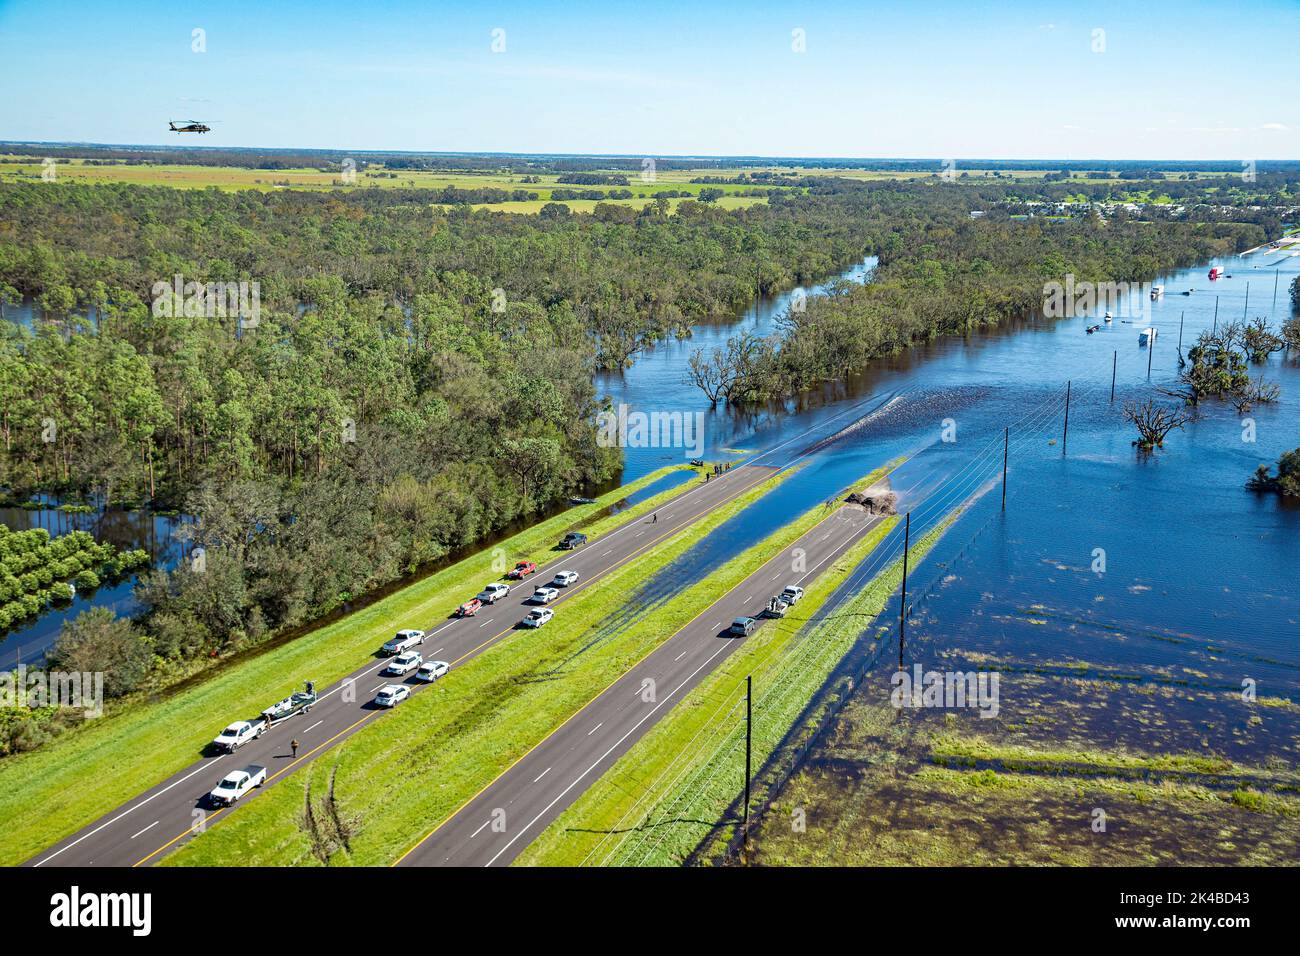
544, 595
743, 626
521, 570
492, 593
469, 608
792, 594
403, 664
403, 641
563, 579
240, 733
574, 539
432, 670
390, 695
537, 617
237, 783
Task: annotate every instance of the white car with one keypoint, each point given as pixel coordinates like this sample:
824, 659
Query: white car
432, 670
563, 579
238, 734
544, 595
236, 784
403, 664
404, 641
792, 594
537, 617
493, 592
390, 695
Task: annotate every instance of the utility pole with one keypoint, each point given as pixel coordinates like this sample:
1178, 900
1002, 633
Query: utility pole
1215, 330
1151, 348
1245, 310
1065, 435
902, 608
1006, 443
1114, 366
749, 722
1180, 332
1276, 274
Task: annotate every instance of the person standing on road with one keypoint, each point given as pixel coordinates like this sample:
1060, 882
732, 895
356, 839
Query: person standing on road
654, 518
293, 745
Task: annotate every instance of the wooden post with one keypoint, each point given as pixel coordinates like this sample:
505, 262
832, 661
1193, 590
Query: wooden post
1006, 443
1065, 435
749, 721
1114, 366
902, 607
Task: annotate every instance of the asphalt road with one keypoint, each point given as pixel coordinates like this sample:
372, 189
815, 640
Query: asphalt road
169, 813
495, 826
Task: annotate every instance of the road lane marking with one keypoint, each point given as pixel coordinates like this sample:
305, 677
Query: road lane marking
679, 657
596, 728
313, 726
146, 829
542, 774
125, 812
480, 829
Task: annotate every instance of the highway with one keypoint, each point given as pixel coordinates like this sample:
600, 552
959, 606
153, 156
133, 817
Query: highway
494, 827
167, 814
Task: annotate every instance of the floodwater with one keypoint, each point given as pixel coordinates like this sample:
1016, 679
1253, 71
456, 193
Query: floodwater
1104, 554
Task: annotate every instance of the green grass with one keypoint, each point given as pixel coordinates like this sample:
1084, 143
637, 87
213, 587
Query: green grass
87, 771
687, 768
398, 777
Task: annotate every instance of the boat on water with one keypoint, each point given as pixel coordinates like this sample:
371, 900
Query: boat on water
1216, 273
1157, 291
1109, 318
1147, 336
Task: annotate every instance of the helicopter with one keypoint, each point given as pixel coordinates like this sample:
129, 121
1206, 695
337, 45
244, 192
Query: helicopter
190, 126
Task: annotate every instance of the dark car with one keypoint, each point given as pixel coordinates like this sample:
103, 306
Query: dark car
573, 539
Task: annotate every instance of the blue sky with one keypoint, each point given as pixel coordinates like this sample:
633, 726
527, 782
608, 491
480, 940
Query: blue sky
1178, 80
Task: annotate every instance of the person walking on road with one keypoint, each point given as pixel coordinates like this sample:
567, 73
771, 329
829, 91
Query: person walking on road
654, 518
293, 745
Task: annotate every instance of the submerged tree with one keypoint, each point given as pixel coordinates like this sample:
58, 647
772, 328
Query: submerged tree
1285, 482
1260, 341
1154, 422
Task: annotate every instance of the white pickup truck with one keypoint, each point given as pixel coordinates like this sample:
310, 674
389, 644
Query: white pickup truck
237, 783
240, 733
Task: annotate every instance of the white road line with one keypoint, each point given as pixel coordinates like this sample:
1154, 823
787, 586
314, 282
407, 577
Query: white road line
610, 551
542, 774
146, 829
650, 713
313, 726
718, 625
480, 829
125, 812
679, 657
596, 728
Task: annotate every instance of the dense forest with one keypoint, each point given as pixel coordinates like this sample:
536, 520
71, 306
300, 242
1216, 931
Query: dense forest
944, 278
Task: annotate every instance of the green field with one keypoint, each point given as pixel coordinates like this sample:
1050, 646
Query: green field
49, 793
233, 178
398, 778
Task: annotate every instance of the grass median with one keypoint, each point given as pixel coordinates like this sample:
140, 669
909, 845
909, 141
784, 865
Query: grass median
668, 794
398, 777
48, 794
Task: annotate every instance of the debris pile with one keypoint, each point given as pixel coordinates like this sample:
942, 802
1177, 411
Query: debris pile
875, 501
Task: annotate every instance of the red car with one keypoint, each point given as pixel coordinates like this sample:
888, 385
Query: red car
522, 570
469, 608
